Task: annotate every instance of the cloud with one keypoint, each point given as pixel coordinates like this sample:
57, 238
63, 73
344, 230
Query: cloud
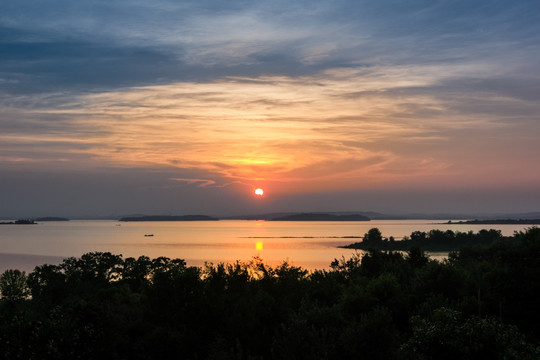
199, 182
354, 126
303, 96
95, 45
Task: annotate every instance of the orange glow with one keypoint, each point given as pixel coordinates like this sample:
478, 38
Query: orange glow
303, 138
259, 246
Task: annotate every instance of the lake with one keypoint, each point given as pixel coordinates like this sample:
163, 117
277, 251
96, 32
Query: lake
312, 245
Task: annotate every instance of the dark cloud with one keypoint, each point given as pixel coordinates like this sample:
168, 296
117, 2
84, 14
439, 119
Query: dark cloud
96, 45
71, 65
52, 66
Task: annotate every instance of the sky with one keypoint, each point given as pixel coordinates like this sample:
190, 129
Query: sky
185, 107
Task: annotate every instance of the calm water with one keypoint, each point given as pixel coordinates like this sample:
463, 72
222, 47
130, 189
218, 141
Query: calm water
312, 245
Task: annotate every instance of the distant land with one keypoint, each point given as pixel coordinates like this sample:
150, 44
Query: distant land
19, 222
51, 218
380, 216
321, 217
498, 222
279, 215
169, 218
454, 217
434, 240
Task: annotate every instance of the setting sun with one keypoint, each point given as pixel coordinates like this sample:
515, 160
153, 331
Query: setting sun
259, 192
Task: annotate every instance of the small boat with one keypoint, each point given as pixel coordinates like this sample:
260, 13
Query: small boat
148, 235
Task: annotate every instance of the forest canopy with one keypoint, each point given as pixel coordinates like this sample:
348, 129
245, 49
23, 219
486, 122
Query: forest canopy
481, 302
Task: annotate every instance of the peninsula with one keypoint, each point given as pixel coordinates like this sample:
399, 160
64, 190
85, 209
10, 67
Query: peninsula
434, 240
498, 222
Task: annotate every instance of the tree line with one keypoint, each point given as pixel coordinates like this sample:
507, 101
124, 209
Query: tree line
481, 302
433, 240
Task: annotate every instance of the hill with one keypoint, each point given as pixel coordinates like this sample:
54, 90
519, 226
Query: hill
51, 218
169, 218
321, 217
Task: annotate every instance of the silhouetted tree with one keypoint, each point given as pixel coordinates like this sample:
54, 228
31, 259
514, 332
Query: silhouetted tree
416, 257
448, 335
13, 285
373, 236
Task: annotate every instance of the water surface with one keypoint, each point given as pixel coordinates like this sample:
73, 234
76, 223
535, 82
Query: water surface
312, 245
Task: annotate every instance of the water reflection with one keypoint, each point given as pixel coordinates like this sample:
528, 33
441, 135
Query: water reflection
313, 245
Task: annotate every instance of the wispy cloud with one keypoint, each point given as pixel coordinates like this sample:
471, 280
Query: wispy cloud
377, 124
306, 96
107, 45
199, 182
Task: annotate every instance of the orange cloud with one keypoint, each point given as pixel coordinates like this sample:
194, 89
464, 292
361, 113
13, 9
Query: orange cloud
345, 128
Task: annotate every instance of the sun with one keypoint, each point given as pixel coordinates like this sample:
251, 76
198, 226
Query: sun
259, 192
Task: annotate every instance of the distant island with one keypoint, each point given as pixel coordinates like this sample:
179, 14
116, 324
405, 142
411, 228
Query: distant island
19, 222
321, 217
33, 221
527, 218
169, 218
498, 222
51, 218
434, 240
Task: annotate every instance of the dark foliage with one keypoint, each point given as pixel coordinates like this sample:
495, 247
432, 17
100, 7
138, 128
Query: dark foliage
434, 240
480, 303
19, 222
499, 221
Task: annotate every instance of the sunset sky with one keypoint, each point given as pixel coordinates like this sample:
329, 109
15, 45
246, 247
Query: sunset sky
184, 107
